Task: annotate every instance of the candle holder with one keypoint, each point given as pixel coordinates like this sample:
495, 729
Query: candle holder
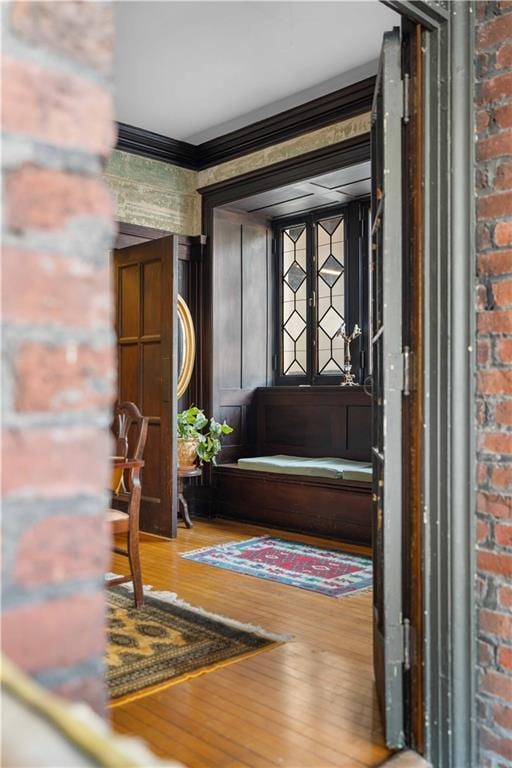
348, 339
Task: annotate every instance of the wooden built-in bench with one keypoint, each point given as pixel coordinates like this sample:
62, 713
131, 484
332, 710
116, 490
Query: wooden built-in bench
311, 422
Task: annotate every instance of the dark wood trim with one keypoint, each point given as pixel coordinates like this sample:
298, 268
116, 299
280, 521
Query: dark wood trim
323, 160
353, 100
342, 104
139, 141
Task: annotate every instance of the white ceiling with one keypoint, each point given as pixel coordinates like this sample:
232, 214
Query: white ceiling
195, 70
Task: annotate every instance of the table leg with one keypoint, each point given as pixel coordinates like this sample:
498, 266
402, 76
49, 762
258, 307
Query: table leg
183, 503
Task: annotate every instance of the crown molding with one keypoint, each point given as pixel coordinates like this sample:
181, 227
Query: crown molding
340, 105
138, 141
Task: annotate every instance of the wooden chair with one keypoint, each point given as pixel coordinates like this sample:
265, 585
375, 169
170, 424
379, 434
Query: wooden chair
130, 428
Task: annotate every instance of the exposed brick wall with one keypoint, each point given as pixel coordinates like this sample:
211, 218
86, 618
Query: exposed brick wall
58, 364
493, 96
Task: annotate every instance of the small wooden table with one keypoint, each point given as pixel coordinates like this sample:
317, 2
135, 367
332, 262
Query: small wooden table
182, 502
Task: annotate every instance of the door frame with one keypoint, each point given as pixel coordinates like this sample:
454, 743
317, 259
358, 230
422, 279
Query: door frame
449, 455
448, 458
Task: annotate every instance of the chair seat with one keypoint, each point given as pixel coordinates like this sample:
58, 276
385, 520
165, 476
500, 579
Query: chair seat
118, 520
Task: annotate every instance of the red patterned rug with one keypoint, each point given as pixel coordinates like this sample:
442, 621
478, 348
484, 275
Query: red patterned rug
318, 569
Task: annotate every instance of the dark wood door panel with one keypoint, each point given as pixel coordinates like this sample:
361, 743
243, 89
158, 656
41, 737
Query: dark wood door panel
151, 277
145, 285
129, 308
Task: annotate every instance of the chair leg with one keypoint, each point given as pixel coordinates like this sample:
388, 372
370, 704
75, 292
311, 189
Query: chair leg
134, 558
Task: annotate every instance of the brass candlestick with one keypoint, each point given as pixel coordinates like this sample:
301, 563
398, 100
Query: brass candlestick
348, 339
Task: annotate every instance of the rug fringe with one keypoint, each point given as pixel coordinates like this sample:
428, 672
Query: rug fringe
173, 599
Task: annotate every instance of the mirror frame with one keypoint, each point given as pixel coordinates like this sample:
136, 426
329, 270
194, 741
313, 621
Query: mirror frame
187, 365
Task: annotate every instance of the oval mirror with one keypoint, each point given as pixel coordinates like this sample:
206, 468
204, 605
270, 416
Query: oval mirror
186, 346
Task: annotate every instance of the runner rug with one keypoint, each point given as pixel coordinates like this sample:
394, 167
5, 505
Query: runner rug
167, 641
327, 571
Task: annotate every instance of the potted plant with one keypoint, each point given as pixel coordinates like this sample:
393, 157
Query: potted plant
194, 442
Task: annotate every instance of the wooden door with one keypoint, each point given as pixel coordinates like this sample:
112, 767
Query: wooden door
145, 308
242, 324
387, 373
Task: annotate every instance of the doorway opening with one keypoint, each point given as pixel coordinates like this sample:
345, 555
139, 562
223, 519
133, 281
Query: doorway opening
209, 390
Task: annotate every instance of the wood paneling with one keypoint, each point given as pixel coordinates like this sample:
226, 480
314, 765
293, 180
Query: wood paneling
318, 506
303, 421
241, 332
309, 703
314, 421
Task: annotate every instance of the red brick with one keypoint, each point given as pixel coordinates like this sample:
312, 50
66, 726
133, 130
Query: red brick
504, 351
499, 263
494, 623
494, 382
504, 535
495, 321
503, 236
61, 548
494, 146
46, 289
494, 504
55, 462
503, 716
47, 199
499, 564
70, 378
55, 633
504, 56
503, 179
81, 31
505, 657
483, 236
496, 684
496, 442
482, 119
482, 473
494, 31
483, 353
68, 111
485, 654
503, 413
482, 531
501, 477
503, 293
500, 745
503, 116
505, 597
492, 206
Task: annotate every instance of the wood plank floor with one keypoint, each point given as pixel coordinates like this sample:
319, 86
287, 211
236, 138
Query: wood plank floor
308, 703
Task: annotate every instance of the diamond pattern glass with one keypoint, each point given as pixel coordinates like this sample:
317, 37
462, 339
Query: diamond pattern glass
330, 287
294, 301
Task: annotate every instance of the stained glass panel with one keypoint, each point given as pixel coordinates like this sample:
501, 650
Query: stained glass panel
330, 287
294, 301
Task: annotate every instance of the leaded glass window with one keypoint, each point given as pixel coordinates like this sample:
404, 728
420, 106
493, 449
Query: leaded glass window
294, 301
322, 281
330, 289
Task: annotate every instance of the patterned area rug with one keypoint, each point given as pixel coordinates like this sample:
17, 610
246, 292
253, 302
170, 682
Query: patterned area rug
327, 571
167, 641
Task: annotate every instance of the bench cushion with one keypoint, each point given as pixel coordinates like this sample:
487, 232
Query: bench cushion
332, 468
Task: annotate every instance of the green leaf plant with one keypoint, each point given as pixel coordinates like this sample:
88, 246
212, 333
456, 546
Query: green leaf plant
191, 424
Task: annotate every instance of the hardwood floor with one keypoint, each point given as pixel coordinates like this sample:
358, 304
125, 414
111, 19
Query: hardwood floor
309, 703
